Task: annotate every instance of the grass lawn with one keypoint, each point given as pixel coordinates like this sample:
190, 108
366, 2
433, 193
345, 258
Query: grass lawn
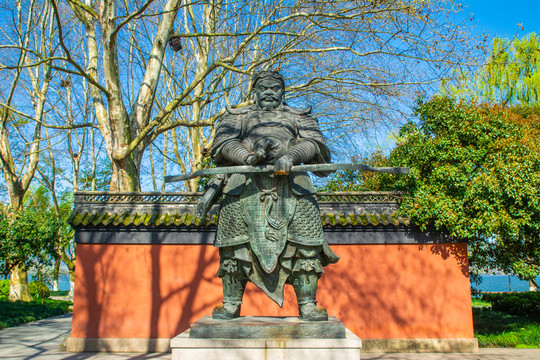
498, 329
19, 312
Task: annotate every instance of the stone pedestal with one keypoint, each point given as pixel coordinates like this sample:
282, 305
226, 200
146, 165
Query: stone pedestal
266, 338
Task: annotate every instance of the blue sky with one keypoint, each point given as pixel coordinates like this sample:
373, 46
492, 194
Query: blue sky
501, 17
494, 18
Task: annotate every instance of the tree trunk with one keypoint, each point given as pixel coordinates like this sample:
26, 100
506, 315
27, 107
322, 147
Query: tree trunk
56, 273
18, 285
125, 177
71, 266
16, 193
71, 283
532, 286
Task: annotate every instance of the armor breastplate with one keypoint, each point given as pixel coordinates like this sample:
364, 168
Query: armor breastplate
273, 127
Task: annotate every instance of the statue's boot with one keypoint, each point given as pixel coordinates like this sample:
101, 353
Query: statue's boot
305, 286
234, 285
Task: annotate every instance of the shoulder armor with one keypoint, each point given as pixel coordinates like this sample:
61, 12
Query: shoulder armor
240, 111
296, 111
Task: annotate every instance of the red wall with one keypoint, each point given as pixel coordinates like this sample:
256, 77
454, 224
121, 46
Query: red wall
378, 291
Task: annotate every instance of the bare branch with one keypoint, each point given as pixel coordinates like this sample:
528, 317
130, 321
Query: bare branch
131, 17
80, 5
80, 71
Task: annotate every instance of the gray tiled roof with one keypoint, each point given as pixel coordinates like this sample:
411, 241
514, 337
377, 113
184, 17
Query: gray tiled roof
144, 210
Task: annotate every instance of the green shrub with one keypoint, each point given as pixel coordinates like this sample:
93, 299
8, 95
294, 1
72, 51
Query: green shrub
479, 302
60, 293
4, 289
522, 303
39, 290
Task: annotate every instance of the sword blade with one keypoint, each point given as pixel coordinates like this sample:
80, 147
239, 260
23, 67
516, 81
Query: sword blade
241, 169
248, 169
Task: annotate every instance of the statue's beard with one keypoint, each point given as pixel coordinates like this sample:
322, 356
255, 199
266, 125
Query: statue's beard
269, 103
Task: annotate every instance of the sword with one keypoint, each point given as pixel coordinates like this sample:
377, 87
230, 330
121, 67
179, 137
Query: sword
248, 169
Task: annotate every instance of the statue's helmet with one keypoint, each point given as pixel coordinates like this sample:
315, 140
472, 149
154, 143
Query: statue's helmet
267, 75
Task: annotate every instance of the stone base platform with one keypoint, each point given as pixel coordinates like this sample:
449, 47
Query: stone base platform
266, 338
267, 327
114, 345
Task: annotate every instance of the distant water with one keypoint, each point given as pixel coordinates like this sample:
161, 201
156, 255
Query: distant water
499, 283
63, 282
492, 283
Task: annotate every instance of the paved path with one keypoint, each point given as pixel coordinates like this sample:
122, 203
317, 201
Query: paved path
43, 340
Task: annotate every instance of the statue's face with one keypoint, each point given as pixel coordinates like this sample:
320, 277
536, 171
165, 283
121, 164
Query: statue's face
269, 94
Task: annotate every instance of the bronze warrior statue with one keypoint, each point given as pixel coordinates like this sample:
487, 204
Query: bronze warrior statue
269, 229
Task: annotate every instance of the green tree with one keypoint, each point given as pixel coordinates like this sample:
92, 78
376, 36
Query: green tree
27, 239
44, 200
475, 173
511, 75
96, 179
361, 180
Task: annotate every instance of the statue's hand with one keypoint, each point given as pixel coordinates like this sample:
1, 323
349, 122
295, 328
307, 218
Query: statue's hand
256, 157
259, 154
283, 165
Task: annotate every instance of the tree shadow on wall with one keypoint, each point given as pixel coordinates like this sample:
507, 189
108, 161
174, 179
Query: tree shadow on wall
447, 247
87, 284
395, 291
104, 282
194, 302
456, 250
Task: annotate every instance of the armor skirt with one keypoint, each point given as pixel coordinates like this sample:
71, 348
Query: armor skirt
272, 233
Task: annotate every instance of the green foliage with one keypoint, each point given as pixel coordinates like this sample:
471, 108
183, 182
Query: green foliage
477, 302
361, 180
522, 303
26, 238
20, 312
4, 289
511, 75
100, 178
475, 173
60, 293
206, 163
40, 199
39, 290
497, 329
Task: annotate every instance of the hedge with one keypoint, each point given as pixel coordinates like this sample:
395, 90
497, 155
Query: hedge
515, 303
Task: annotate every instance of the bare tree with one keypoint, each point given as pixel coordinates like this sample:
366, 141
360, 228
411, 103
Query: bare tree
26, 75
352, 58
71, 156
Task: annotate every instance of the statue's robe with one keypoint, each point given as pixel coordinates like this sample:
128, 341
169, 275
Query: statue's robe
266, 222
